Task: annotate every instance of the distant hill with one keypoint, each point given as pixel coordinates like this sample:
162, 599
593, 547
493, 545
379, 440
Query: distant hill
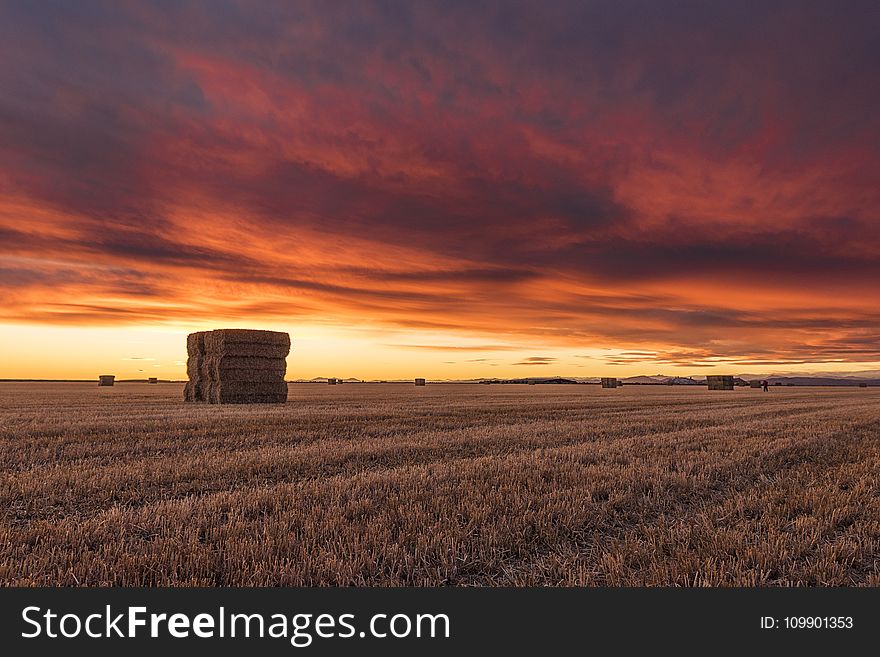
743, 379
535, 380
820, 381
660, 380
863, 374
323, 379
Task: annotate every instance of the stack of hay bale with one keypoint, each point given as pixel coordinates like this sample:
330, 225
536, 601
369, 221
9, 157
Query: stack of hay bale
720, 382
420, 382
237, 366
609, 382
153, 380
331, 381
755, 384
106, 379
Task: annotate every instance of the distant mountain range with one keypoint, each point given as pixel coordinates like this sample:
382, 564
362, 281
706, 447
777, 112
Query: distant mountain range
324, 379
827, 379
773, 379
821, 381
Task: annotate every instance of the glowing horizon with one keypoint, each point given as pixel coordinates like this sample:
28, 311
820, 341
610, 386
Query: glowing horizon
448, 192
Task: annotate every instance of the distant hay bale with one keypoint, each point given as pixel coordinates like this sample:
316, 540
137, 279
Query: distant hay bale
331, 382
609, 382
863, 384
106, 379
720, 382
153, 379
420, 382
237, 366
755, 384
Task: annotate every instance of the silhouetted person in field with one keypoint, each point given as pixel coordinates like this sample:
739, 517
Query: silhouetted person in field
766, 385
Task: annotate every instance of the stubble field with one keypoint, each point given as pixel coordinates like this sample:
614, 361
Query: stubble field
372, 484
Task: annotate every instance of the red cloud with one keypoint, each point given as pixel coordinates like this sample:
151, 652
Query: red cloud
580, 175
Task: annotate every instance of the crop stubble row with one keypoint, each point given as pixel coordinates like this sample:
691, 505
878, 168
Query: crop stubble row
567, 489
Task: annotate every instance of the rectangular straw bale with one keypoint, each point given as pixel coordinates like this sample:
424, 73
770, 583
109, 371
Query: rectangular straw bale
217, 393
609, 382
226, 398
221, 363
245, 388
720, 382
206, 371
213, 373
222, 339
229, 366
195, 343
192, 391
249, 350
194, 366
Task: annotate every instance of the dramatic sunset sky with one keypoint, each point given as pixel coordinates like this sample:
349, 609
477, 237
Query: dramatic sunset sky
449, 189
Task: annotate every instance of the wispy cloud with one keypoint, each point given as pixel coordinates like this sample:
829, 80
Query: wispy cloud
537, 360
442, 347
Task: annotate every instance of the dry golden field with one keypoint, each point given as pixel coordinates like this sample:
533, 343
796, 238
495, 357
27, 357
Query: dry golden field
372, 484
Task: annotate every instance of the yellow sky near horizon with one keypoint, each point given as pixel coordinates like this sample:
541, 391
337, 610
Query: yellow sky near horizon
466, 207
34, 351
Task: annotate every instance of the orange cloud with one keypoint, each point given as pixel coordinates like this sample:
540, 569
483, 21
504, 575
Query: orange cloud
704, 192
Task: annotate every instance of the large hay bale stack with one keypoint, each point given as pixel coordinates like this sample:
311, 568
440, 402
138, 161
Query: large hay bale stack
237, 366
106, 379
863, 384
720, 382
755, 384
420, 382
609, 382
331, 381
154, 380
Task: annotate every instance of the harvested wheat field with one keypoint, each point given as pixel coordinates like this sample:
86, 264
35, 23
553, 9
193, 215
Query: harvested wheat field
376, 484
